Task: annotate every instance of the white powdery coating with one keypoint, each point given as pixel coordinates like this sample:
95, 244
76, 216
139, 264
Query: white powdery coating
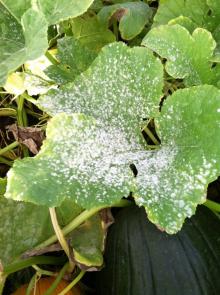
122, 86
170, 185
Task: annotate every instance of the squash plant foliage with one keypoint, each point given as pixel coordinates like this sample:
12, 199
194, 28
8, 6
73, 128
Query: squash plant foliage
112, 74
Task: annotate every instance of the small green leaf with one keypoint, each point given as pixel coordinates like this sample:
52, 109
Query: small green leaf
20, 41
184, 22
122, 86
188, 56
89, 31
79, 161
202, 13
74, 59
88, 242
132, 16
196, 10
173, 180
56, 11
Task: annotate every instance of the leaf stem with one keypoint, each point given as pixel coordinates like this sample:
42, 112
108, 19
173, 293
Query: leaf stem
212, 205
60, 236
5, 112
115, 29
6, 162
52, 59
22, 119
9, 147
79, 220
151, 135
31, 284
3, 278
57, 280
21, 114
73, 283
16, 266
41, 271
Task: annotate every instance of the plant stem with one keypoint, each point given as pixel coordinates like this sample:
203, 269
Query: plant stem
151, 135
11, 268
212, 205
22, 119
52, 59
79, 220
60, 236
74, 282
115, 29
41, 271
3, 278
31, 284
9, 147
21, 115
57, 280
4, 161
5, 112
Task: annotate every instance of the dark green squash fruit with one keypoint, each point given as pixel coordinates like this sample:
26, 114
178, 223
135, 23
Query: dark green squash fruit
142, 260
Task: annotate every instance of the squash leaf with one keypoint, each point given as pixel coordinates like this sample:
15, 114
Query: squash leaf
122, 86
132, 17
184, 22
79, 161
188, 56
91, 165
202, 13
20, 41
196, 10
89, 31
173, 180
17, 8
74, 58
58, 10
18, 236
88, 242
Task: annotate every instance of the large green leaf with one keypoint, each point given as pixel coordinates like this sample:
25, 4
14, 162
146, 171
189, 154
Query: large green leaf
17, 8
89, 31
188, 56
20, 41
79, 160
74, 59
59, 10
132, 16
173, 180
122, 86
91, 165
